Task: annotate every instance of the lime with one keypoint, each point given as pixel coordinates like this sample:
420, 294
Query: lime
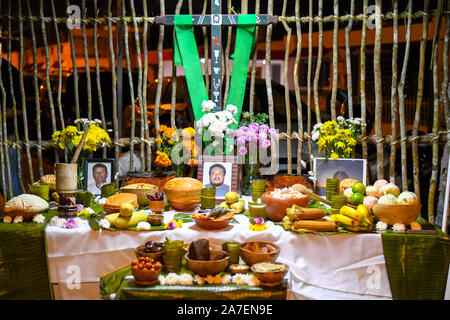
356, 199
359, 188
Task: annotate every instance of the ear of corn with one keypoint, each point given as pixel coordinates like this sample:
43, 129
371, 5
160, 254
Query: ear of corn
315, 225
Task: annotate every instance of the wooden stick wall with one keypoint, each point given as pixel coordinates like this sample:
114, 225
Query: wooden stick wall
18, 15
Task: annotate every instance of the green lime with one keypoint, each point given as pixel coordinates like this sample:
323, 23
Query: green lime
356, 199
359, 188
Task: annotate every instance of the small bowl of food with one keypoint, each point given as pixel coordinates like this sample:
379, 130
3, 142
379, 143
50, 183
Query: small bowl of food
146, 270
156, 202
218, 263
151, 249
270, 273
262, 251
216, 218
155, 219
239, 268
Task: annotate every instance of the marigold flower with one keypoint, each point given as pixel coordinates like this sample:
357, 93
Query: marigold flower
158, 140
162, 128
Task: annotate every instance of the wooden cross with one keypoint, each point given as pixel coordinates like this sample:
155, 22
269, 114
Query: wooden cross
216, 20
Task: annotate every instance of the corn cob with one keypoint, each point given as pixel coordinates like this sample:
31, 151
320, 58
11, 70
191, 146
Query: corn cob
310, 214
315, 225
344, 220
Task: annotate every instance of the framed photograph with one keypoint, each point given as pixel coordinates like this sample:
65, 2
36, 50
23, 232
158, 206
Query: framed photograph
338, 168
98, 172
219, 171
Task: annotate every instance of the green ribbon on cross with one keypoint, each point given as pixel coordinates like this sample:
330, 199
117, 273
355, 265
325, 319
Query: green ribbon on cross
186, 55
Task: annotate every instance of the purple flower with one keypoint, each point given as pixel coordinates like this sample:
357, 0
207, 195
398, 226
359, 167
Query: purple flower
70, 224
254, 137
258, 220
243, 151
265, 144
243, 128
231, 134
262, 136
79, 207
241, 140
172, 225
253, 126
273, 132
264, 128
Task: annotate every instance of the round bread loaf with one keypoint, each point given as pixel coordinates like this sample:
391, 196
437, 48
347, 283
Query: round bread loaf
26, 204
183, 194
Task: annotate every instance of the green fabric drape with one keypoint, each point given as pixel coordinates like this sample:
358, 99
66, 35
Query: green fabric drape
186, 54
122, 283
24, 273
417, 265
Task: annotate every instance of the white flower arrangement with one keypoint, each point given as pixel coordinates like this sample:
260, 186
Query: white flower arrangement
399, 227
7, 219
39, 218
216, 123
143, 225
381, 226
104, 224
246, 279
185, 279
70, 223
172, 279
207, 105
18, 219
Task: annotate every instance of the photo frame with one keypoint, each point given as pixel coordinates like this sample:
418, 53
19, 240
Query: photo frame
341, 168
208, 165
102, 177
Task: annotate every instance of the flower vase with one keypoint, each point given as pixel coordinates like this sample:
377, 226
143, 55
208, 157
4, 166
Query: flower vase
250, 172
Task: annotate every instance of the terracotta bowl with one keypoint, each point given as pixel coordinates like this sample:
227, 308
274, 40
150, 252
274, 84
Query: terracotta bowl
184, 206
145, 276
155, 256
155, 219
239, 268
212, 224
270, 277
204, 268
392, 214
251, 257
276, 208
156, 206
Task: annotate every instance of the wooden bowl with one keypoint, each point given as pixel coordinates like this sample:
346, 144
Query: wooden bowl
155, 219
270, 277
204, 268
184, 206
251, 257
276, 207
157, 256
145, 276
212, 224
397, 213
239, 268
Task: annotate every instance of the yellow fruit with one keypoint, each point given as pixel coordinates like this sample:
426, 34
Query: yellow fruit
232, 197
363, 210
126, 209
351, 213
122, 222
224, 205
238, 207
112, 218
345, 220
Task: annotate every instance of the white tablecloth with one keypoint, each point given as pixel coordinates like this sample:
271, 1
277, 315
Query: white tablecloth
341, 266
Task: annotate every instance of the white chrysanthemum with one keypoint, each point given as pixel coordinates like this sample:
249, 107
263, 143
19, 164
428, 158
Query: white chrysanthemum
226, 279
315, 135
80, 222
18, 219
185, 279
340, 119
199, 280
381, 226
231, 108
7, 219
239, 279
104, 223
162, 280
269, 224
399, 227
90, 210
143, 225
207, 105
171, 279
39, 218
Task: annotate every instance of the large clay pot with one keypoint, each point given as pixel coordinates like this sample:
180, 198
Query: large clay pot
276, 207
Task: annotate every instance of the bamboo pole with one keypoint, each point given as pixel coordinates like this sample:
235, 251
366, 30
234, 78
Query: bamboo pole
160, 68
297, 89
335, 61
446, 110
227, 57
75, 70
97, 76
130, 81
362, 83
310, 28
24, 99
348, 55
435, 142
36, 96
205, 47
2, 125
174, 74
113, 89
139, 86
145, 84
286, 90
415, 151
394, 94
47, 76
378, 91
86, 61
14, 104
318, 65
401, 106
5, 132
254, 58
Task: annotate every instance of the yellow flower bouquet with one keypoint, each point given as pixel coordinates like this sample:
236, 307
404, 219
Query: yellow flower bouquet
337, 139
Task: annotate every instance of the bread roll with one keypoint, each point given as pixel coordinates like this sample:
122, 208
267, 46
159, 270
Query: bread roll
26, 203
